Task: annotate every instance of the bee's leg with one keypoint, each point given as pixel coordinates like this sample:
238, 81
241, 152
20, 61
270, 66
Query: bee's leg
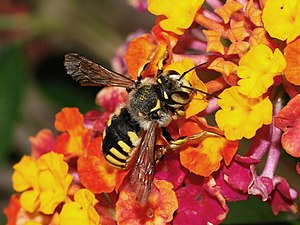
159, 153
176, 144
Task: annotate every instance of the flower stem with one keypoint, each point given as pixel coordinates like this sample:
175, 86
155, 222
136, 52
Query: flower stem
274, 151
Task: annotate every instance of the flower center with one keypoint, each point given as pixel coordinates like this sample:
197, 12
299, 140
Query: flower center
149, 213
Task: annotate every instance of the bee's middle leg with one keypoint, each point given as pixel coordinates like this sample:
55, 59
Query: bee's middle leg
176, 144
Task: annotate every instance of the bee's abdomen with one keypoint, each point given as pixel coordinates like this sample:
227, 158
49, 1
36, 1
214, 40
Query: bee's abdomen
121, 138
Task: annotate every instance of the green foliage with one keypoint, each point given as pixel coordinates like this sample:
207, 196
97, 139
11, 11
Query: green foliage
13, 76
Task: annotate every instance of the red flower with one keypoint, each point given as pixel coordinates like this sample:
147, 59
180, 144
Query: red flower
200, 202
283, 197
42, 143
288, 121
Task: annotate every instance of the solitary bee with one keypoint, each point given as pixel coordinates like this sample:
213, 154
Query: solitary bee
131, 132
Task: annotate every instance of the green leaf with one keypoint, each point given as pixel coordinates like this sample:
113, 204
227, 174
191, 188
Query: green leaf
13, 74
254, 211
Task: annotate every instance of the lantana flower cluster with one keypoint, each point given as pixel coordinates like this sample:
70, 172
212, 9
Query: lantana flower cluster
251, 61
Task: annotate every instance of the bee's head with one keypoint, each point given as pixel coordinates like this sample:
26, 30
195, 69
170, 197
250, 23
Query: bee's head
176, 91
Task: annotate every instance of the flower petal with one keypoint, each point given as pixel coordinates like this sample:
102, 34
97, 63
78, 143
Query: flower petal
241, 116
214, 43
170, 169
253, 13
209, 152
259, 36
54, 181
288, 27
109, 98
25, 174
81, 211
12, 210
42, 143
288, 120
224, 67
238, 173
158, 210
228, 9
179, 15
44, 182
72, 142
138, 54
196, 200
94, 167
237, 31
282, 199
292, 56
257, 69
229, 193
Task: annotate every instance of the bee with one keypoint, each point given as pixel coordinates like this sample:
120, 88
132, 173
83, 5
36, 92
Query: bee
129, 138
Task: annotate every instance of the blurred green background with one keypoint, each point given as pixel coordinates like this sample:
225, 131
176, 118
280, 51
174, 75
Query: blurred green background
34, 36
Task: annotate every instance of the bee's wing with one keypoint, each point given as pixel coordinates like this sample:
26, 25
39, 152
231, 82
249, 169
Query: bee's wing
89, 73
142, 175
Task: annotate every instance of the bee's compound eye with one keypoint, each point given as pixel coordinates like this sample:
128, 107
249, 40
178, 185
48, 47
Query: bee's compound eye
180, 97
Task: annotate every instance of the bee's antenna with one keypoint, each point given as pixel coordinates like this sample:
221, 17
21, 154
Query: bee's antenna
195, 67
198, 90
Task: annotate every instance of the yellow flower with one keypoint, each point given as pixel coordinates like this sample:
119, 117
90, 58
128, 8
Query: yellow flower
281, 19
241, 116
44, 182
198, 101
257, 69
81, 211
179, 13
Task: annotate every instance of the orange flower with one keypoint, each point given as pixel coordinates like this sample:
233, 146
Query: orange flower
226, 68
229, 8
158, 210
214, 43
72, 142
139, 53
253, 13
209, 150
93, 167
292, 56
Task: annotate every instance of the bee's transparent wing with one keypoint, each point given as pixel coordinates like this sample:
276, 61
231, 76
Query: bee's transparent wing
142, 175
89, 73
